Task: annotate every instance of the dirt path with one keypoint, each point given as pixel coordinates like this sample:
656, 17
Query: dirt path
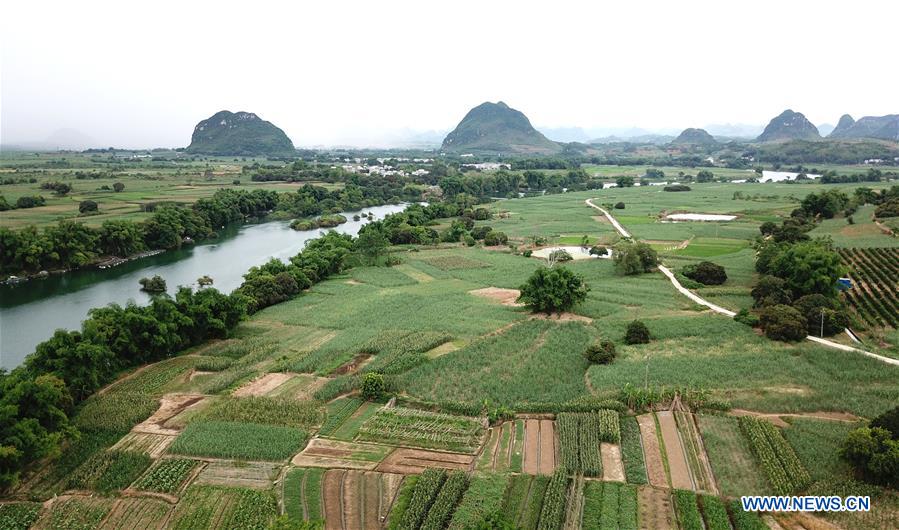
728, 312
690, 428
777, 418
352, 499
332, 497
677, 462
262, 385
655, 469
547, 448
170, 406
612, 465
655, 510
531, 447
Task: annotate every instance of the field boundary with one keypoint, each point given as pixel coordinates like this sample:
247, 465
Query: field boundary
718, 309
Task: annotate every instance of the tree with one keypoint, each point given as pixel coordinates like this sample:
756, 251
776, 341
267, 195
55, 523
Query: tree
770, 290
874, 453
372, 242
121, 238
889, 420
599, 251
373, 386
820, 310
553, 290
634, 258
637, 333
118, 187
88, 207
624, 182
619, 205
767, 228
705, 175
156, 284
205, 280
602, 352
706, 273
808, 268
494, 238
782, 322
30, 201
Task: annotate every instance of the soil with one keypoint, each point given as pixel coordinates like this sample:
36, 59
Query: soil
197, 373
352, 499
371, 501
413, 461
353, 282
262, 385
801, 521
353, 365
504, 296
255, 475
655, 469
655, 509
441, 350
562, 317
302, 460
547, 448
612, 465
677, 461
170, 406
531, 461
332, 486
777, 418
390, 486
307, 391
153, 445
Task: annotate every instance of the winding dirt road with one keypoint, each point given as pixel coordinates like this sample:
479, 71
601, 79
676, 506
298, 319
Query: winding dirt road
727, 312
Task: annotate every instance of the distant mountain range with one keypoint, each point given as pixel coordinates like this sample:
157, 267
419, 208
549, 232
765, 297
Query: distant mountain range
239, 134
880, 127
498, 128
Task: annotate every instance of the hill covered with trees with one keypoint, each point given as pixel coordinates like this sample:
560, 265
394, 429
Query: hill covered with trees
498, 128
228, 133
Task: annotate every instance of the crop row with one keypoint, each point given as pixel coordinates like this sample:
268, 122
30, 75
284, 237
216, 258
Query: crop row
874, 294
610, 506
579, 441
167, 475
107, 471
481, 500
553, 510
714, 513
249, 441
426, 429
778, 460
338, 412
450, 494
687, 511
632, 451
399, 353
426, 490
19, 515
283, 411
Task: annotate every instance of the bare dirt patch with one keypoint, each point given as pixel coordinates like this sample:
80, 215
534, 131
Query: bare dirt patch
562, 317
801, 521
152, 444
352, 499
332, 497
353, 282
170, 406
443, 349
262, 385
612, 465
354, 364
256, 475
655, 510
547, 448
197, 373
655, 469
677, 461
371, 501
413, 461
777, 418
321, 452
531, 462
503, 296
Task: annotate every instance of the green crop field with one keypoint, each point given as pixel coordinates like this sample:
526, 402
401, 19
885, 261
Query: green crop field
442, 327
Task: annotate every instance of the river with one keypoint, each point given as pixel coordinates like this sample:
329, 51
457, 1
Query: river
32, 310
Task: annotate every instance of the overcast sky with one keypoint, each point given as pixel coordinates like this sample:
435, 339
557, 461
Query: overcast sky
142, 74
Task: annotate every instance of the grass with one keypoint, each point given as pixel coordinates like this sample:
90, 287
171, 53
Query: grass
707, 247
817, 444
515, 497
398, 512
862, 233
109, 471
248, 441
303, 486
593, 504
156, 379
610, 504
167, 475
483, 498
532, 361
52, 480
714, 513
688, 517
530, 517
731, 457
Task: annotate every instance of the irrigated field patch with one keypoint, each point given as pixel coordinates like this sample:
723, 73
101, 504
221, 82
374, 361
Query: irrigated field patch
153, 445
418, 428
250, 441
540, 452
75, 512
131, 513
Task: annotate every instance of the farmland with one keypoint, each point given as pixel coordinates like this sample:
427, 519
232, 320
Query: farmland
498, 412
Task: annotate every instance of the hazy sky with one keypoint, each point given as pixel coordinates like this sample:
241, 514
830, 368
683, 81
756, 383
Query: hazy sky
142, 74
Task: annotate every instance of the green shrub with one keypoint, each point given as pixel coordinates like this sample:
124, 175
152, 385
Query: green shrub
744, 316
706, 273
552, 290
782, 322
601, 353
637, 333
19, 515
